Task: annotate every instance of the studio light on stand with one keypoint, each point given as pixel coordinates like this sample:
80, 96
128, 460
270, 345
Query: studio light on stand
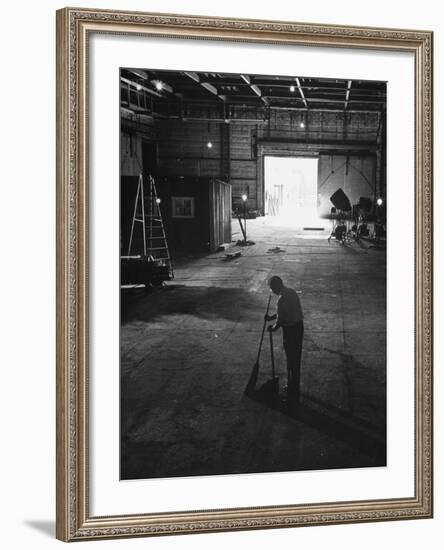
378, 227
379, 204
244, 200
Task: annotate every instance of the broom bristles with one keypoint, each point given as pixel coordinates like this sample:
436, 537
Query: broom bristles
250, 387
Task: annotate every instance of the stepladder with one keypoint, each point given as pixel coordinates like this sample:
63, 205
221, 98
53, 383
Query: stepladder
148, 260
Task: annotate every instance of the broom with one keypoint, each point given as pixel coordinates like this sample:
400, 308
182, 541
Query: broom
249, 389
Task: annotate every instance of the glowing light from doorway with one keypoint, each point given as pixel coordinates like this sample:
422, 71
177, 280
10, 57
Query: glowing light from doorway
302, 125
379, 201
291, 191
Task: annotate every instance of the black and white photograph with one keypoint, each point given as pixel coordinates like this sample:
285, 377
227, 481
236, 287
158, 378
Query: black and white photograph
252, 273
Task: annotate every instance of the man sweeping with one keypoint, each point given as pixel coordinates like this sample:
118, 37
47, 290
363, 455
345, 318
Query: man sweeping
289, 317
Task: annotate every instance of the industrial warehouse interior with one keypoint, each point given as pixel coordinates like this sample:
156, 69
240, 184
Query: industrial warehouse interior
229, 180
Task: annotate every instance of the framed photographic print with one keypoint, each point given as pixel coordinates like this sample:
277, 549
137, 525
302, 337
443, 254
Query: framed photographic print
182, 207
244, 276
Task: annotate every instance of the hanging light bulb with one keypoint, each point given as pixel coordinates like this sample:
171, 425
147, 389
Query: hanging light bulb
379, 201
138, 87
302, 125
159, 85
244, 197
292, 88
209, 145
158, 201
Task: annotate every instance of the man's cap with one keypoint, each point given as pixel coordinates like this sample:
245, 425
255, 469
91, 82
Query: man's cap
275, 281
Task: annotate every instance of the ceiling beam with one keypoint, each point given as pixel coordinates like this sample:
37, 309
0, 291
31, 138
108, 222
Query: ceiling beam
209, 87
193, 76
256, 90
347, 94
323, 110
305, 87
301, 91
254, 87
325, 100
139, 72
139, 87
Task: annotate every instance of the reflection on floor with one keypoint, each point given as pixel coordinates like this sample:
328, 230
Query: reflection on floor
187, 352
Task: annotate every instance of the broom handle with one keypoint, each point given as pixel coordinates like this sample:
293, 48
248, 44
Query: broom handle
263, 331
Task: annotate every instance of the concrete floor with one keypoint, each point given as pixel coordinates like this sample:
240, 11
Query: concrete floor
187, 352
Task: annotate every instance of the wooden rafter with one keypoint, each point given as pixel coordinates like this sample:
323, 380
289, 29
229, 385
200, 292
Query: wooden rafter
347, 94
301, 91
254, 87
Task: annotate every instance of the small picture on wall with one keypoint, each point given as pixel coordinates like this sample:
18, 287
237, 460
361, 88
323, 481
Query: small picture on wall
182, 207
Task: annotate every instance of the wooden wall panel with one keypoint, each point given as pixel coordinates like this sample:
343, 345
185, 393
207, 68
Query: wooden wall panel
183, 151
220, 214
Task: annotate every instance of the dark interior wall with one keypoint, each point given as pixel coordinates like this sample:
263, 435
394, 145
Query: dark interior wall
130, 154
183, 148
235, 153
205, 231
354, 174
186, 234
135, 130
127, 200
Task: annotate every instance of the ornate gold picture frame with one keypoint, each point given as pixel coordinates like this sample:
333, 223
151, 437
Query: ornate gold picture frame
74, 518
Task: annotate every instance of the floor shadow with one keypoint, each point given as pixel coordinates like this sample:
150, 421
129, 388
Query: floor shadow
267, 394
201, 301
353, 431
358, 433
47, 527
347, 428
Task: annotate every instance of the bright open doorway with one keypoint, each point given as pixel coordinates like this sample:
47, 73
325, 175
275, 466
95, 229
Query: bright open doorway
291, 188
